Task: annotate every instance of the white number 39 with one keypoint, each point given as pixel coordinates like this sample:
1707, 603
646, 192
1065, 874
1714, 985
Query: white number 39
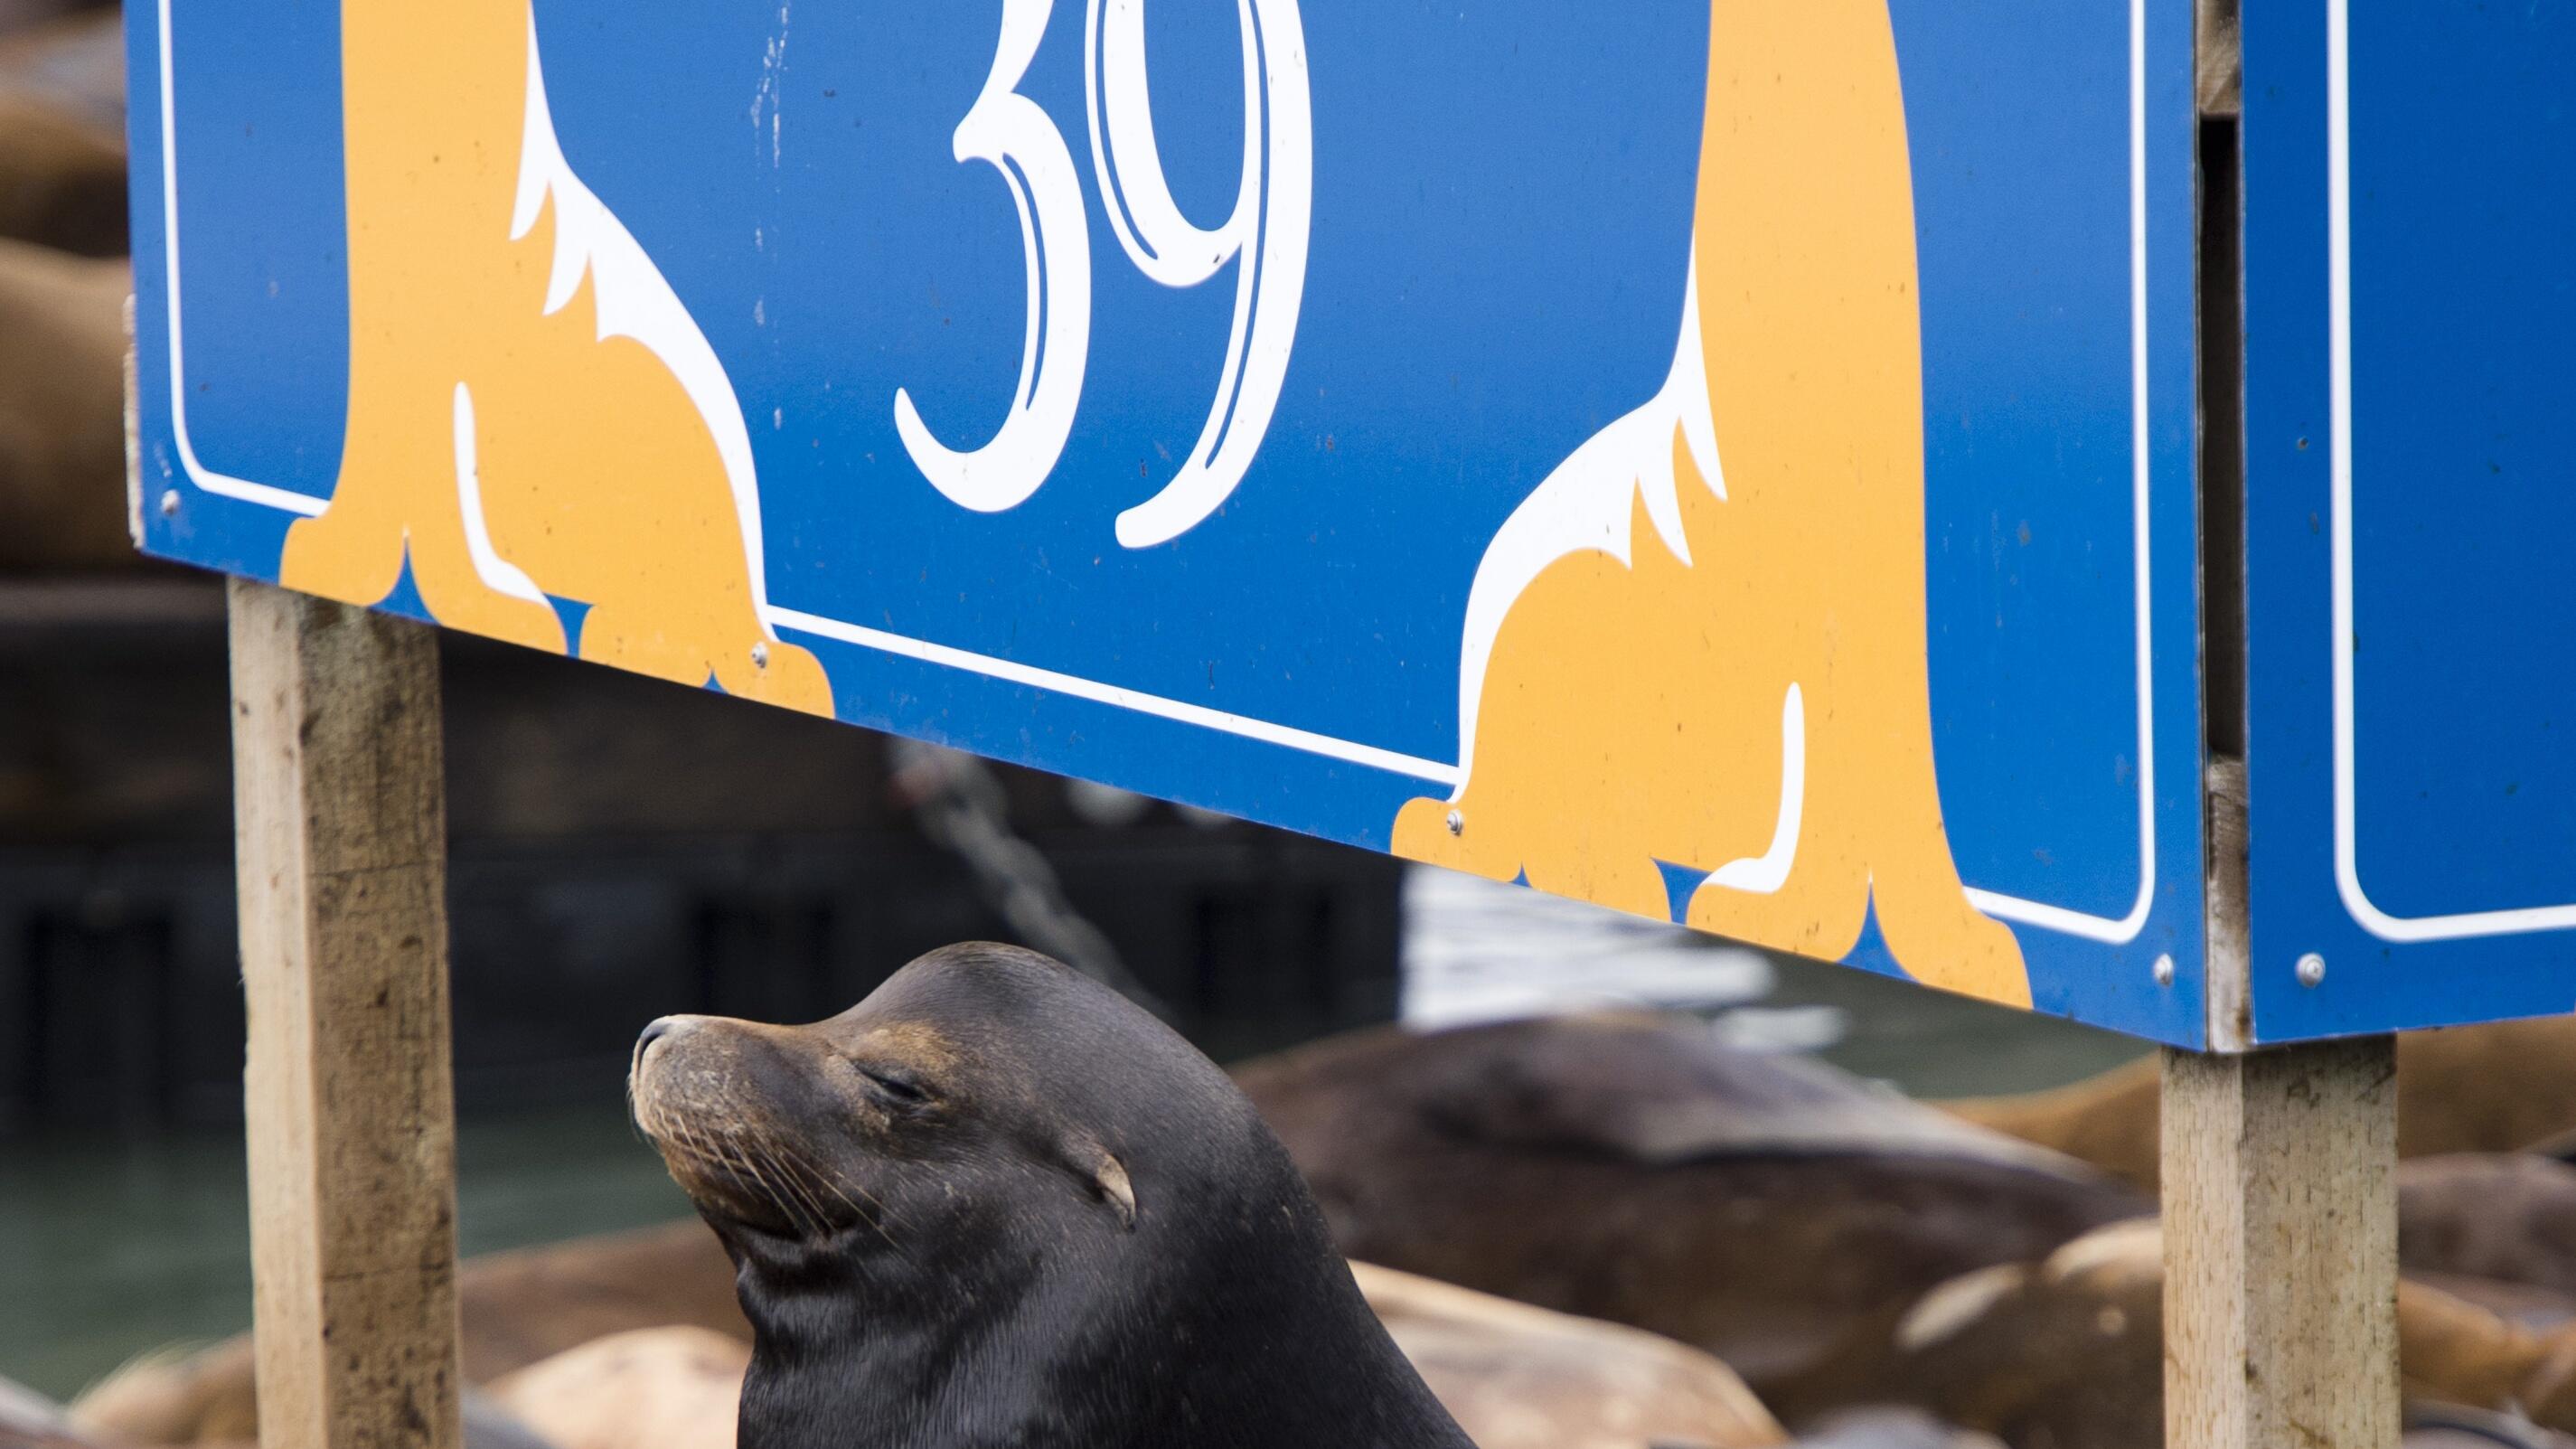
1265, 236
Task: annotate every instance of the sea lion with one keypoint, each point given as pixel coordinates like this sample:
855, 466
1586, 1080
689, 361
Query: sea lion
996, 1203
1519, 1377
62, 410
1516, 1377
77, 63
530, 1304
1631, 1168
2068, 1352
2501, 1086
516, 1308
2448, 1426
646, 1388
62, 180
2503, 1217
1886, 1428
29, 1422
539, 1324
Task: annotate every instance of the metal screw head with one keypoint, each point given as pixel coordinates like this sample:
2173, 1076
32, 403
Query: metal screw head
760, 656
170, 503
2164, 971
2312, 969
1457, 822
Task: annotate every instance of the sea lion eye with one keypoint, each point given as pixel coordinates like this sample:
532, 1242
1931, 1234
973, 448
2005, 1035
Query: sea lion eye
895, 1086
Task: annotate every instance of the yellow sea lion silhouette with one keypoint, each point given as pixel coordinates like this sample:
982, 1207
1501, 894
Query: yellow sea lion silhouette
1724, 668
531, 409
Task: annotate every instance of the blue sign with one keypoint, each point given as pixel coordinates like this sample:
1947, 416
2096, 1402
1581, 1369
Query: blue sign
2410, 219
1729, 461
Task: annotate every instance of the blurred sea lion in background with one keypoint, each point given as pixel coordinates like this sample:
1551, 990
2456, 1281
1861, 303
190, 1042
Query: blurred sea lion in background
2500, 1086
2496, 1228
517, 1308
62, 134
1890, 1428
1515, 1377
62, 410
530, 1304
76, 62
62, 181
18, 15
646, 1388
1518, 1377
2068, 1352
28, 1420
1630, 1168
2448, 1426
539, 1324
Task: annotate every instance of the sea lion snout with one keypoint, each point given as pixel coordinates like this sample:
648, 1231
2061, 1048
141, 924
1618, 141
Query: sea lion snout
727, 1101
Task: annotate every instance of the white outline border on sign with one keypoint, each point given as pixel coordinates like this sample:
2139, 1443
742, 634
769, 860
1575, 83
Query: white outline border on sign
2011, 908
2058, 918
2339, 285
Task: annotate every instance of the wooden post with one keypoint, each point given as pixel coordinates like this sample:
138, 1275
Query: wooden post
2280, 1213
339, 799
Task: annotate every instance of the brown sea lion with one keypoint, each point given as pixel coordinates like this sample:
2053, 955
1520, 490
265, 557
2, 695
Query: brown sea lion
29, 1420
18, 15
62, 179
1630, 1168
2068, 1352
1890, 1428
996, 1203
62, 410
1516, 1377
2497, 1087
2504, 1217
516, 1307
2449, 1426
646, 1388
75, 61
1496, 1365
533, 1303
1519, 1377
223, 1419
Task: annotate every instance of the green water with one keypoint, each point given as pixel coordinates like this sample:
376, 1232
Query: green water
110, 1251
107, 1251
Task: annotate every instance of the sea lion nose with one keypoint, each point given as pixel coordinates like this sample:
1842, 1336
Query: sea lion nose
659, 1029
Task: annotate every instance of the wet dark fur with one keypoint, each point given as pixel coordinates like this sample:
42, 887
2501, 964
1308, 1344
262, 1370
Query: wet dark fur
923, 1200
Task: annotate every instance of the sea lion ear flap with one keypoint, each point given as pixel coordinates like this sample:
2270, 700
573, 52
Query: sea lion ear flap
1110, 1178
1101, 1170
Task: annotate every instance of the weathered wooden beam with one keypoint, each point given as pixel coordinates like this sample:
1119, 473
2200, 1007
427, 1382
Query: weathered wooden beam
341, 857
2221, 63
2280, 1233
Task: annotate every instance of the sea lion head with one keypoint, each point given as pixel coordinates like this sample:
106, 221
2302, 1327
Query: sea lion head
994, 1180
965, 1097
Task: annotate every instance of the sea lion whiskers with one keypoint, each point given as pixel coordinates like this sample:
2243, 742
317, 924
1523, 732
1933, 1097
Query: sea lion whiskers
808, 1183
701, 1148
874, 1214
784, 1178
743, 1156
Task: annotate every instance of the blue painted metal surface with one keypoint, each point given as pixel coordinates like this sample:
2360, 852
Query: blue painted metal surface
1498, 211
2411, 215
